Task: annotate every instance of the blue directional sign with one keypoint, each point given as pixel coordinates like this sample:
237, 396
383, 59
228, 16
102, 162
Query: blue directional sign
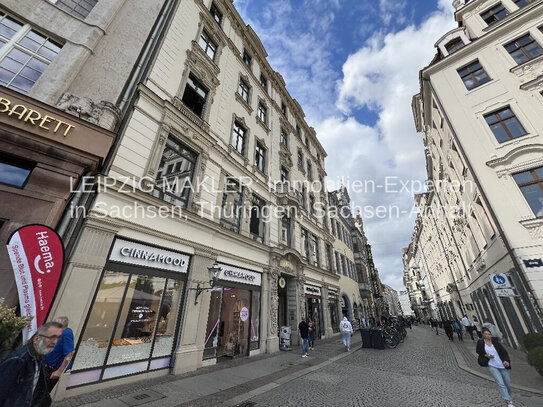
499, 279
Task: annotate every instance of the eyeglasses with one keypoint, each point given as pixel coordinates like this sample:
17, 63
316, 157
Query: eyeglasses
51, 338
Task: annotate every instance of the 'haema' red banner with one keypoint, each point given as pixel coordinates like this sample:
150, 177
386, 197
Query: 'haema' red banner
37, 256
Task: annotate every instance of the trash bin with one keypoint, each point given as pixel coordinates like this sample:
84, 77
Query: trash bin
284, 338
377, 338
366, 337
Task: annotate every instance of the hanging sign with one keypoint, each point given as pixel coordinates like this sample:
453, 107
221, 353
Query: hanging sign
37, 255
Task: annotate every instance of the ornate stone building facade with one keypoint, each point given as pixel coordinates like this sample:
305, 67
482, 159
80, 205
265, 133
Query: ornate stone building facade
479, 237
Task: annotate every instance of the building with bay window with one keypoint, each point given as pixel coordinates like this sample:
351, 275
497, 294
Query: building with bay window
479, 239
202, 235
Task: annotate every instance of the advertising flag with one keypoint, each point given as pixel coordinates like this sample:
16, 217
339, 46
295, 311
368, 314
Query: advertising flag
37, 257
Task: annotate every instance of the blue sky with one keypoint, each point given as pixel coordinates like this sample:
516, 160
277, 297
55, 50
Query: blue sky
353, 67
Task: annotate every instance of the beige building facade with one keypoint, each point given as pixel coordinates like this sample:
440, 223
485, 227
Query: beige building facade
479, 237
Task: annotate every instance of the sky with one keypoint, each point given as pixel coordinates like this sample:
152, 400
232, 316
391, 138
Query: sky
353, 65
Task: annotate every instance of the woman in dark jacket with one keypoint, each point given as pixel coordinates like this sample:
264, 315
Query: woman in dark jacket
447, 326
493, 355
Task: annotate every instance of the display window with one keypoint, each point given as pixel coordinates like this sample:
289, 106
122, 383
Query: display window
131, 327
233, 327
333, 307
314, 312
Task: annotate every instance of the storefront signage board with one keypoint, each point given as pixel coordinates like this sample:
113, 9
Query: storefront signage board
311, 290
37, 256
139, 254
239, 275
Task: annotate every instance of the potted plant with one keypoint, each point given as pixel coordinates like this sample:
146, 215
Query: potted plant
10, 327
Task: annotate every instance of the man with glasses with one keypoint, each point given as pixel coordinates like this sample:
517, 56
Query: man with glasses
22, 375
60, 357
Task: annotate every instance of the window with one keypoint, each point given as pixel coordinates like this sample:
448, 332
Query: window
305, 244
473, 75
77, 8
298, 131
260, 157
309, 171
257, 222
284, 137
523, 49
338, 263
316, 251
522, 3
333, 223
494, 14
174, 178
243, 90
238, 138
283, 108
505, 125
231, 204
531, 184
264, 82
208, 45
24, 54
300, 159
307, 142
329, 258
195, 96
284, 174
302, 197
454, 45
344, 265
247, 59
215, 13
285, 230
14, 171
262, 113
311, 204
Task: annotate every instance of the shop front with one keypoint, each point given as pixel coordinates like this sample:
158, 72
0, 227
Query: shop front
313, 297
133, 321
333, 307
233, 325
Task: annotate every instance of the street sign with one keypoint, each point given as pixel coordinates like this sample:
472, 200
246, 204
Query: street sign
499, 281
504, 292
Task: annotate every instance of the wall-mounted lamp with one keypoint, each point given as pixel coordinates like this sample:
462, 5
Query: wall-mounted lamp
214, 272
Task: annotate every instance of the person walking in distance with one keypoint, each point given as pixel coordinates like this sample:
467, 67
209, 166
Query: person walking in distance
468, 325
493, 355
346, 331
311, 337
60, 357
458, 328
434, 324
23, 382
448, 327
303, 328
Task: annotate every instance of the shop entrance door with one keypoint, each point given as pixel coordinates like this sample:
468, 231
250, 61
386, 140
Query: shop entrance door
234, 323
314, 312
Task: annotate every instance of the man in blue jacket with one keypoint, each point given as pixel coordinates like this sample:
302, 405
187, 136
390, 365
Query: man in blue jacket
60, 357
22, 375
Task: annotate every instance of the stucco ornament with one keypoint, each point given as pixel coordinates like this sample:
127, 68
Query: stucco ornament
103, 114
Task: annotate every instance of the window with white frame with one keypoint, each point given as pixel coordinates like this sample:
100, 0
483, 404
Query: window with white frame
207, 44
522, 3
504, 124
309, 170
247, 59
231, 204
285, 175
24, 54
243, 90
260, 157
473, 75
215, 13
257, 219
262, 113
300, 158
238, 137
284, 137
315, 250
264, 82
195, 96
531, 184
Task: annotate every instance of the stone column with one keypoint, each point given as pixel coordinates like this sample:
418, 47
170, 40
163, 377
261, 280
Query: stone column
270, 293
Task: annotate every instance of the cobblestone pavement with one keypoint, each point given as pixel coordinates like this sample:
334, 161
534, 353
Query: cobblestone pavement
422, 371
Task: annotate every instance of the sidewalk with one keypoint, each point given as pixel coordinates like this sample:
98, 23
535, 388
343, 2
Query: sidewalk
523, 376
228, 383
